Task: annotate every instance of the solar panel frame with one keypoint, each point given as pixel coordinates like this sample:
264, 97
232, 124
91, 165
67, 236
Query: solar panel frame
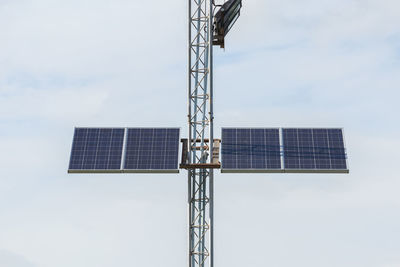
304, 152
149, 155
317, 169
258, 152
114, 158
122, 153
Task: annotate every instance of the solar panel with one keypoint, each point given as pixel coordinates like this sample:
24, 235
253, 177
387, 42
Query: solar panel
250, 150
152, 150
96, 150
116, 150
292, 150
320, 150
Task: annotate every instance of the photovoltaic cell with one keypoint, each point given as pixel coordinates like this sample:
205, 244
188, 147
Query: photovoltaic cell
337, 150
250, 149
321, 146
152, 149
314, 149
97, 149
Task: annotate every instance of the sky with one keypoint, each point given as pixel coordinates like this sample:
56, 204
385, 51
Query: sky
123, 63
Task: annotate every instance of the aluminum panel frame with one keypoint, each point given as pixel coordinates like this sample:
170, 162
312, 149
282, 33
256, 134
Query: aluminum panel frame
289, 170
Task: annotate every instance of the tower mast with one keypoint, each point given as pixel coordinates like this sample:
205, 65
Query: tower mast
201, 137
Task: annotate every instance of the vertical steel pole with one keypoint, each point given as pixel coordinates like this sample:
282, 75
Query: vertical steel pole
190, 233
211, 171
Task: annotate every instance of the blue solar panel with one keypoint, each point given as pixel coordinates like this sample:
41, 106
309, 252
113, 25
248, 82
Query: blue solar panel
152, 149
250, 149
97, 149
314, 149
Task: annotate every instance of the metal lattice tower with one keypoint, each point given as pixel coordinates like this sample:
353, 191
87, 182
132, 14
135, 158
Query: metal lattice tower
200, 116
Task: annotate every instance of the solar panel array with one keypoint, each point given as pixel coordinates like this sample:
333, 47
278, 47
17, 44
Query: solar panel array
288, 150
102, 150
250, 149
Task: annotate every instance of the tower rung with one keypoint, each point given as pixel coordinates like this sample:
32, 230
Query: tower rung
200, 166
206, 227
201, 148
200, 253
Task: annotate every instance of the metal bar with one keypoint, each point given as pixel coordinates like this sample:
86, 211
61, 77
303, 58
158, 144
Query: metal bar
285, 171
190, 216
200, 166
189, 76
211, 212
281, 148
211, 116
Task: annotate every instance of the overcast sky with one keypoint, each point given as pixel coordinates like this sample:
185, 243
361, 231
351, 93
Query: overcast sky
310, 63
